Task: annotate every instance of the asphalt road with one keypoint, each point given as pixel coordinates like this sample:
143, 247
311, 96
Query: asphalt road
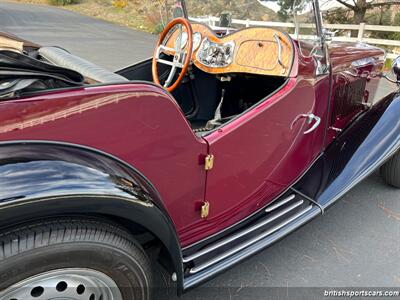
107, 45
355, 244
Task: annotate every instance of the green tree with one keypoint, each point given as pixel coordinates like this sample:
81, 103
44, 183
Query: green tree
358, 8
286, 9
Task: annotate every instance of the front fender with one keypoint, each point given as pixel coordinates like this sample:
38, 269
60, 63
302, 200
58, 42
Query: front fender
359, 151
47, 179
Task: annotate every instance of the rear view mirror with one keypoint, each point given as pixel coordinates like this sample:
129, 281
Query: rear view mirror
225, 19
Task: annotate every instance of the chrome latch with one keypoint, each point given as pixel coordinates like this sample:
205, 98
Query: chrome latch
310, 118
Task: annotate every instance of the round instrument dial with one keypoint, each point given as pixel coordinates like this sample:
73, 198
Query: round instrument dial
196, 40
183, 40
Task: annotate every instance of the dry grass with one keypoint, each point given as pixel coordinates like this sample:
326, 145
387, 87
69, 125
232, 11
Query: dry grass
134, 14
29, 1
141, 15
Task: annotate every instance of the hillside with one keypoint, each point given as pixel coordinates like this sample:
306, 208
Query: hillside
147, 15
240, 9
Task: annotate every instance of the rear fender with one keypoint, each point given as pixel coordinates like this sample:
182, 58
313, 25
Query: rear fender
43, 179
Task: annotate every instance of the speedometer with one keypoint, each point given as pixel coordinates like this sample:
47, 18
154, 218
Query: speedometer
183, 42
196, 40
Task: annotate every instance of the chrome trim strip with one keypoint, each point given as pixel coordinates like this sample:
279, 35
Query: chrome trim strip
242, 233
248, 243
280, 203
278, 41
193, 280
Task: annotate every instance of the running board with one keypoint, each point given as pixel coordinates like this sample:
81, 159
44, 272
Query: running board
274, 222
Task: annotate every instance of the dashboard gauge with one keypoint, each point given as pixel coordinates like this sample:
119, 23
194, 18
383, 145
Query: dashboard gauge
196, 40
215, 55
183, 40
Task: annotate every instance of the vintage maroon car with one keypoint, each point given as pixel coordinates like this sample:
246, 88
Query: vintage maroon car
253, 134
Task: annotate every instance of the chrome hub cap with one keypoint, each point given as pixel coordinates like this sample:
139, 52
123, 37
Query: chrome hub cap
65, 284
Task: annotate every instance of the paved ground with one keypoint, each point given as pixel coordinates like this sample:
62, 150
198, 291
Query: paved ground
357, 242
110, 46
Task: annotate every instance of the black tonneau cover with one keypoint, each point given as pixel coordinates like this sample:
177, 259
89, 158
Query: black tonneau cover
21, 73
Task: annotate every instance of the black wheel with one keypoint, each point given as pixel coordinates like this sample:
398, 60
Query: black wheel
390, 171
72, 259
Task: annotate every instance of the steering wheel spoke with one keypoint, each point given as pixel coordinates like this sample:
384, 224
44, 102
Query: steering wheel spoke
166, 62
181, 57
170, 77
176, 62
165, 49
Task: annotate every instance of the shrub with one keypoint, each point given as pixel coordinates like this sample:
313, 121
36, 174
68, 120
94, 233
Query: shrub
120, 3
63, 2
158, 28
388, 64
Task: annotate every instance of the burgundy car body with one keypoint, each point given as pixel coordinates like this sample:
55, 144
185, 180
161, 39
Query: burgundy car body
259, 156
241, 182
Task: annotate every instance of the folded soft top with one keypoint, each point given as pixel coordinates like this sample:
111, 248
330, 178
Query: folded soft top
21, 73
63, 58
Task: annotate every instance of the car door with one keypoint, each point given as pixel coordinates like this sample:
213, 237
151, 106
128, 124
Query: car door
262, 153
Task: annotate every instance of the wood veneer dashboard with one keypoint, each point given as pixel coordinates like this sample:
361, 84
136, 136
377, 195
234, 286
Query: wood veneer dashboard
261, 51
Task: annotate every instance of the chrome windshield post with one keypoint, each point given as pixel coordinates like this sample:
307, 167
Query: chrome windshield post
322, 56
184, 9
324, 33
318, 20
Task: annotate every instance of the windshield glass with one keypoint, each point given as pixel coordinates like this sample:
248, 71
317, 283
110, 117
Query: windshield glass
241, 13
295, 17
235, 13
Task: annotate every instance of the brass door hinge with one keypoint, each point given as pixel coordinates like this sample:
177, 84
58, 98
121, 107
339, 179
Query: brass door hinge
209, 162
205, 210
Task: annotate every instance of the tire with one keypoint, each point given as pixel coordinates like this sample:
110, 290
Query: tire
85, 259
390, 171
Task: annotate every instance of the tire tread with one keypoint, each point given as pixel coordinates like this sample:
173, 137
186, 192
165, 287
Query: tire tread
30, 238
390, 171
45, 233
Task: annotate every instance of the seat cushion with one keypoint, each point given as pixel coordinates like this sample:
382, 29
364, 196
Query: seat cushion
62, 58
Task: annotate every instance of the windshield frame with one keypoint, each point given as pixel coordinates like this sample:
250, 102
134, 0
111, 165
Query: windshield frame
322, 37
184, 8
317, 14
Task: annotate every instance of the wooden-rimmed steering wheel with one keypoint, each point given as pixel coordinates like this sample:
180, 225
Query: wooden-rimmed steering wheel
181, 57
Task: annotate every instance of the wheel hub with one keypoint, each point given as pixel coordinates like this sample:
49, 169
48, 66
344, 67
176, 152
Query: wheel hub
65, 284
